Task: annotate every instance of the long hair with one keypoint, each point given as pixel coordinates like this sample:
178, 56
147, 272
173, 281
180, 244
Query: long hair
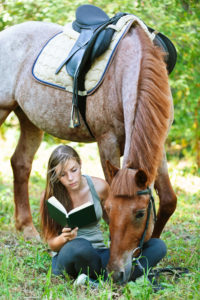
55, 188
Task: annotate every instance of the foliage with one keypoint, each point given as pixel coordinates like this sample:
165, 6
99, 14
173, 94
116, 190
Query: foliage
179, 20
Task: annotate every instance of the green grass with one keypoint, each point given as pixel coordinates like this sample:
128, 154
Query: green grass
25, 266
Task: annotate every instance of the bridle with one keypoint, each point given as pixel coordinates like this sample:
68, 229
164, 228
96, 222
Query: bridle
176, 272
150, 205
141, 243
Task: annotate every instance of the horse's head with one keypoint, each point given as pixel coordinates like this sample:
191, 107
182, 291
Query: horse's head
130, 219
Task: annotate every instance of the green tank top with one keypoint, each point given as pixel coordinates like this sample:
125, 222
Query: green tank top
93, 232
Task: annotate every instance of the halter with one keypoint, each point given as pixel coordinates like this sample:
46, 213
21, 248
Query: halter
151, 203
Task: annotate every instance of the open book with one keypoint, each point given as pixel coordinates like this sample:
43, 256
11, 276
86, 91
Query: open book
78, 217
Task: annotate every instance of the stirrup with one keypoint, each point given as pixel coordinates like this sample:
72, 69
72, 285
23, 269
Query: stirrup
75, 120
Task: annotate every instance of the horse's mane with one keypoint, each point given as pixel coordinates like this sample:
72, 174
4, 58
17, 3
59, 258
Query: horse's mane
152, 111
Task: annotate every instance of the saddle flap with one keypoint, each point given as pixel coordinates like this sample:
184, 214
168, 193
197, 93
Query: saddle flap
168, 47
102, 42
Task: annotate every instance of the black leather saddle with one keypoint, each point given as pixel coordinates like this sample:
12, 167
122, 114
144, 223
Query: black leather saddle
94, 39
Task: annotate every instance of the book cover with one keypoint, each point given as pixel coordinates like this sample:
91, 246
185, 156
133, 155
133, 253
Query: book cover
80, 216
57, 211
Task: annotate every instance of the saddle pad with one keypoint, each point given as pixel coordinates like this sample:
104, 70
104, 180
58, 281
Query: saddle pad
57, 48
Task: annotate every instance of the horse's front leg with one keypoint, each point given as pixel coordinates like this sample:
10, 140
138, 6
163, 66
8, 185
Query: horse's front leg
21, 161
109, 149
167, 198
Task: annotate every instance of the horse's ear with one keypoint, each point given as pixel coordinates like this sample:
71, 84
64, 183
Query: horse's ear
141, 178
129, 165
112, 170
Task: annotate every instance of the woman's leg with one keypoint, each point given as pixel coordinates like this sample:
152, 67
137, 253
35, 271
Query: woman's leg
153, 251
105, 255
77, 256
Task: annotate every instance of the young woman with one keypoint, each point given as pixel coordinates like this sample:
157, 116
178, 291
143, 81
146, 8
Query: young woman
82, 250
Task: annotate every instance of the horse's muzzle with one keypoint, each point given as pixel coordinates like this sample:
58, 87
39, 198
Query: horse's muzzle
121, 276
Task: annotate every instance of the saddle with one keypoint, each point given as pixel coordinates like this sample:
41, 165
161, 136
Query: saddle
95, 28
94, 39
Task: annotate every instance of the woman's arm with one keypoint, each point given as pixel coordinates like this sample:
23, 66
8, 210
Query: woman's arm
102, 189
57, 242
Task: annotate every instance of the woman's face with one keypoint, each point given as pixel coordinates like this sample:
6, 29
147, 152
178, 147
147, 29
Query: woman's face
70, 176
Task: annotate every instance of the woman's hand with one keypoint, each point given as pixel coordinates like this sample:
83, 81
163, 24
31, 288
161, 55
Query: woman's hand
69, 234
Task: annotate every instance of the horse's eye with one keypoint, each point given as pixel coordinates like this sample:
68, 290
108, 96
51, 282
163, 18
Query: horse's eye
139, 214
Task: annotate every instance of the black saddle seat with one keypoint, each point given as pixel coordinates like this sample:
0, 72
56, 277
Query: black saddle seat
89, 16
91, 22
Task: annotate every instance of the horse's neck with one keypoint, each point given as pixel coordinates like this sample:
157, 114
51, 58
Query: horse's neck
146, 103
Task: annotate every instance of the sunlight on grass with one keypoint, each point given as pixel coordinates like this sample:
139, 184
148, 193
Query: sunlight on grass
181, 177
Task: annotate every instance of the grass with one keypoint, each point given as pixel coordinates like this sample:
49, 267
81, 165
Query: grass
25, 266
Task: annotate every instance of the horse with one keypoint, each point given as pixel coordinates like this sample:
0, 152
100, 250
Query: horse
129, 115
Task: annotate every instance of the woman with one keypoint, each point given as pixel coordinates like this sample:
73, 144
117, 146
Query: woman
82, 250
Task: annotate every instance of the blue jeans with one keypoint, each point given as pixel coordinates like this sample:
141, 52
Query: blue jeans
79, 256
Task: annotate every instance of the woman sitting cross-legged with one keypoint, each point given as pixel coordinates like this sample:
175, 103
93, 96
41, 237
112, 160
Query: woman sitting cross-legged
82, 250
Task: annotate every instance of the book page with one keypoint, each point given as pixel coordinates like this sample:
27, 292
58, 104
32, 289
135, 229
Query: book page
80, 207
57, 204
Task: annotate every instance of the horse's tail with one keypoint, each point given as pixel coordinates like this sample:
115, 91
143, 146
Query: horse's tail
153, 108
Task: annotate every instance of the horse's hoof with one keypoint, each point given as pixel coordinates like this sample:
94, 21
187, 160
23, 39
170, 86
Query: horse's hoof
29, 233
